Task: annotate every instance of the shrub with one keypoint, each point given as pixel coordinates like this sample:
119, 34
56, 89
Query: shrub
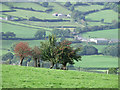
7, 56
112, 71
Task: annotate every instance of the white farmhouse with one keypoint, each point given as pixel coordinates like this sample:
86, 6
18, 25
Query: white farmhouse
68, 15
55, 14
99, 40
60, 14
77, 37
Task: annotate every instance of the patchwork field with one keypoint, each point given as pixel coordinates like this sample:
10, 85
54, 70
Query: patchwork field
29, 32
108, 34
88, 8
31, 77
8, 43
28, 5
4, 7
95, 23
98, 61
100, 47
53, 24
107, 15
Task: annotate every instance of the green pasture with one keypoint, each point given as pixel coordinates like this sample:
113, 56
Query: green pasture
107, 15
27, 14
100, 47
31, 77
4, 7
27, 5
88, 8
98, 61
49, 24
25, 25
20, 31
41, 15
8, 43
95, 23
59, 9
108, 34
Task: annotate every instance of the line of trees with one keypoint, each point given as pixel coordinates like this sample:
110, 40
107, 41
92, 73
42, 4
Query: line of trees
8, 34
50, 50
113, 50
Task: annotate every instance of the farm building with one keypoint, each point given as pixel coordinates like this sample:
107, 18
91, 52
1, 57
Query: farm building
61, 15
99, 40
55, 14
78, 37
68, 15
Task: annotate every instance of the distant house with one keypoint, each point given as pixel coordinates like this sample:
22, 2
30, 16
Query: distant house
60, 14
9, 18
68, 15
77, 37
99, 40
55, 14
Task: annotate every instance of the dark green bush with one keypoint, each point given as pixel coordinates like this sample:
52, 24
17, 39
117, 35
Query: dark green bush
112, 71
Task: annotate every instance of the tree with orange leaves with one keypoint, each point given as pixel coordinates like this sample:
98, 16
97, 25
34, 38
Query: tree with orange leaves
67, 54
22, 50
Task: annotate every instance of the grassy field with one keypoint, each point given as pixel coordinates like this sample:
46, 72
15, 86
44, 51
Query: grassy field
49, 24
100, 47
8, 43
59, 9
41, 15
31, 77
98, 61
107, 15
18, 30
28, 5
108, 34
95, 23
4, 7
27, 14
89, 8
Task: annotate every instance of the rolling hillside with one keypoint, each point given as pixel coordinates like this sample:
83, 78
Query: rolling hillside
43, 19
31, 77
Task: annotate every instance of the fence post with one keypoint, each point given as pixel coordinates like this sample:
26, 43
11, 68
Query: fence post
107, 71
79, 68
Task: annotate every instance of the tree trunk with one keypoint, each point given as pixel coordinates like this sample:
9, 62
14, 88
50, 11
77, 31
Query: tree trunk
35, 62
56, 66
21, 61
52, 65
38, 64
64, 66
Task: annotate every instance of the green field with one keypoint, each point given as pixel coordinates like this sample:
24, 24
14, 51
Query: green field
8, 43
100, 47
88, 8
95, 23
18, 30
4, 7
49, 24
27, 14
107, 15
98, 61
28, 5
59, 9
41, 15
31, 77
108, 34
